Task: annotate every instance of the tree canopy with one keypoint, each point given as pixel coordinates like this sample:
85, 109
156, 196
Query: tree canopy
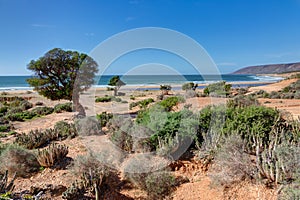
117, 83
62, 74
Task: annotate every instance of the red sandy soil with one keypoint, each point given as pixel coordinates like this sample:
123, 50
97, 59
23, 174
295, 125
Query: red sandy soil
199, 185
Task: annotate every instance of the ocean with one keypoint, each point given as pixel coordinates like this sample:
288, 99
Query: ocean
19, 82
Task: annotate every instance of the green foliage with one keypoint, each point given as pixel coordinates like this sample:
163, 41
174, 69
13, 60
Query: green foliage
37, 138
3, 109
103, 99
52, 155
4, 128
252, 122
170, 102
104, 118
18, 160
219, 89
42, 110
63, 107
165, 89
189, 86
117, 83
20, 116
55, 74
143, 103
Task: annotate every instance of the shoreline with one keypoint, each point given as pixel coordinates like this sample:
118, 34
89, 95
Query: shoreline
235, 84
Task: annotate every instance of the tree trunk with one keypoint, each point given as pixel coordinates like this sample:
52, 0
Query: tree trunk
77, 106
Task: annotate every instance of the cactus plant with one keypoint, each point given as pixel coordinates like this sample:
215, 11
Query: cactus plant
54, 153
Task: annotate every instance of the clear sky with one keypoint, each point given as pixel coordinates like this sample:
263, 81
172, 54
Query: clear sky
236, 33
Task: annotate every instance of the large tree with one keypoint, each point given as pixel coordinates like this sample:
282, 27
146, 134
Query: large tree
63, 74
117, 83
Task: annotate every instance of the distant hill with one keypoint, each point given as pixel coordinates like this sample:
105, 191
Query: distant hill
270, 69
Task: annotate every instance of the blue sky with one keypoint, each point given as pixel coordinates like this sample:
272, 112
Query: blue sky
235, 33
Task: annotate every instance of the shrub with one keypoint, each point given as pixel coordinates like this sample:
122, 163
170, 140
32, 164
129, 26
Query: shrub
290, 191
170, 102
67, 107
25, 105
104, 118
122, 139
231, 162
65, 130
4, 128
165, 89
39, 103
37, 138
3, 109
52, 155
103, 99
88, 126
132, 97
160, 184
22, 116
219, 89
143, 103
137, 167
190, 94
242, 101
95, 177
189, 86
42, 110
33, 139
17, 160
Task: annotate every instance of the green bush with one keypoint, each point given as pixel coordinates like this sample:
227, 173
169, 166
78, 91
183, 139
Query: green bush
65, 130
165, 89
4, 128
104, 118
22, 116
38, 138
170, 102
42, 110
3, 109
67, 107
143, 103
189, 86
219, 89
103, 99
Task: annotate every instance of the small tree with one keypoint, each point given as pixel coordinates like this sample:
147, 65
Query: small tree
117, 83
189, 86
165, 89
63, 74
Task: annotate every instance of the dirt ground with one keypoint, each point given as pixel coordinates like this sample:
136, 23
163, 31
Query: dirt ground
199, 185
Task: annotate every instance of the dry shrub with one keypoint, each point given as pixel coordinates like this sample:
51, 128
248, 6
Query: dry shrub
232, 164
18, 160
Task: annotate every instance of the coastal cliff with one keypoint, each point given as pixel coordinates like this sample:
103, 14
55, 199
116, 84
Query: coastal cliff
270, 69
